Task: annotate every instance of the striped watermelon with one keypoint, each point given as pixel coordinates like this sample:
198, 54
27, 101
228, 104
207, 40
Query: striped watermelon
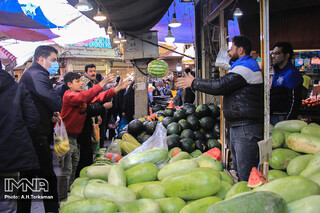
158, 68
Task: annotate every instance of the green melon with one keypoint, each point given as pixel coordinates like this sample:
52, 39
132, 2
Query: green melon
212, 143
215, 110
281, 157
193, 122
202, 110
276, 174
187, 133
238, 188
187, 144
135, 127
173, 141
158, 68
166, 121
184, 124
201, 145
151, 126
298, 164
179, 114
198, 135
207, 123
169, 112
173, 128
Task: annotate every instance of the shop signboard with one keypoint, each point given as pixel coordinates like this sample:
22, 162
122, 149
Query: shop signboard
307, 62
315, 61
299, 61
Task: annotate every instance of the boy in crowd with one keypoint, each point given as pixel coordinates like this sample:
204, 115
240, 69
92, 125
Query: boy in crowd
73, 114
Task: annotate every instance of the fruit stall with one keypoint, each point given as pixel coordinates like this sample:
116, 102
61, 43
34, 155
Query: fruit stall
170, 161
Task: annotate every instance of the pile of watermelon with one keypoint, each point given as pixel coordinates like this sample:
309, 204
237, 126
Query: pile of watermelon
295, 166
189, 128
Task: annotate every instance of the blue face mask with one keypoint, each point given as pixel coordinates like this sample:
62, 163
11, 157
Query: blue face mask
54, 68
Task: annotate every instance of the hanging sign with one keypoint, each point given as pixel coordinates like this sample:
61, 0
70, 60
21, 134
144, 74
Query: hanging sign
299, 61
307, 62
315, 61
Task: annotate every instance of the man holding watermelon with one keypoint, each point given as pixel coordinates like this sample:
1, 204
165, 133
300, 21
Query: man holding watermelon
242, 90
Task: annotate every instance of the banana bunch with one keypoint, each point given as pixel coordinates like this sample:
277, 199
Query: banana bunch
61, 147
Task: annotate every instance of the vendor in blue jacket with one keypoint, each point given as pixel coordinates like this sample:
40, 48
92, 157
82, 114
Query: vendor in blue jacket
285, 93
242, 90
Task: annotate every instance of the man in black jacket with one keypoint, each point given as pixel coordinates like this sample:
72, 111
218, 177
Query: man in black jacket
286, 88
242, 90
19, 117
48, 102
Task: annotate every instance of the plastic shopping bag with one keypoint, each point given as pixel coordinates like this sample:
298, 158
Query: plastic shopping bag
223, 58
113, 152
157, 140
112, 123
123, 123
61, 141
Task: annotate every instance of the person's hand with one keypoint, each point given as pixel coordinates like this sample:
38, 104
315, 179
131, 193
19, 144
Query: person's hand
185, 82
56, 117
109, 78
122, 85
99, 120
107, 105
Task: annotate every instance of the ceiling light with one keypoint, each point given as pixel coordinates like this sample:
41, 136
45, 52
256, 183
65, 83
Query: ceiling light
123, 39
116, 40
237, 12
174, 22
109, 30
99, 16
83, 5
179, 67
169, 38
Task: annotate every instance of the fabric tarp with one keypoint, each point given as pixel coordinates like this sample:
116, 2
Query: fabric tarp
16, 24
131, 16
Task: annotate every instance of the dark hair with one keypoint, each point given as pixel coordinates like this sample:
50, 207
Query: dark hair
118, 79
89, 66
44, 51
244, 42
99, 77
69, 77
286, 47
188, 70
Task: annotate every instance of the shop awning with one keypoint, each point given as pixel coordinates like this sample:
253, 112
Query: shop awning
131, 16
7, 59
24, 22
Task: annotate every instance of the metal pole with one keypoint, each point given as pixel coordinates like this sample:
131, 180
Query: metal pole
265, 49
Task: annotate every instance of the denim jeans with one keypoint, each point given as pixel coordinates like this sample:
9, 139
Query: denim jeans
68, 166
244, 148
42, 146
7, 204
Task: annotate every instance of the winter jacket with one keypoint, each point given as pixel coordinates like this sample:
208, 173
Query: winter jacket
74, 110
285, 93
128, 103
47, 100
18, 117
242, 90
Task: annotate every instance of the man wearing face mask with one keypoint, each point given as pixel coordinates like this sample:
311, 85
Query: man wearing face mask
286, 88
242, 90
48, 103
